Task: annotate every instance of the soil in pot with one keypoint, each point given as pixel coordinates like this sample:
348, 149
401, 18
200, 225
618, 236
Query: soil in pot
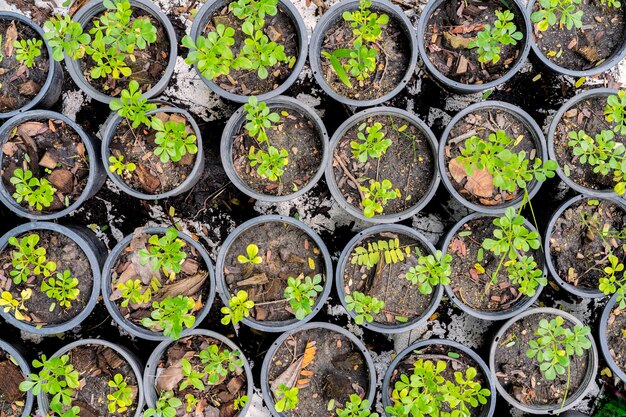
587, 115
44, 307
324, 365
407, 163
279, 28
455, 360
601, 35
142, 169
12, 400
479, 187
386, 281
521, 377
148, 66
286, 251
450, 29
616, 336
203, 353
583, 237
160, 283
53, 153
392, 61
299, 136
473, 268
19, 83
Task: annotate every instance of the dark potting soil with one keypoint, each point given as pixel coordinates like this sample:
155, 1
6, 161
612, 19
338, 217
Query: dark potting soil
587, 115
298, 135
67, 255
616, 340
18, 83
335, 369
280, 29
51, 150
287, 251
450, 29
192, 281
12, 400
151, 176
392, 62
214, 400
97, 365
387, 282
521, 376
578, 250
479, 188
439, 353
148, 67
601, 35
408, 164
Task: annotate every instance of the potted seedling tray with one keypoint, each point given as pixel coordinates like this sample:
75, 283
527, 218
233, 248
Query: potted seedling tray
473, 46
105, 370
330, 366
235, 70
50, 276
383, 165
50, 165
444, 358
30, 78
578, 38
489, 181
15, 369
585, 236
497, 267
388, 278
587, 131
157, 283
274, 274
544, 361
204, 370
612, 325
279, 162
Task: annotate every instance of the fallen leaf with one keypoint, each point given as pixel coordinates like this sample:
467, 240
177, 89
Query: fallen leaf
9, 38
480, 183
186, 287
457, 171
32, 128
457, 41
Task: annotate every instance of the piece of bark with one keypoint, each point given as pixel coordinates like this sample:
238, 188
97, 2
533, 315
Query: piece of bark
63, 180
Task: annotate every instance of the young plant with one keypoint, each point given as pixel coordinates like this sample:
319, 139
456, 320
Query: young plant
254, 10
191, 377
270, 163
430, 272
64, 289
377, 196
287, 398
219, 363
259, 118
57, 378
16, 305
27, 50
212, 53
302, 294
65, 36
165, 253
370, 256
490, 39
38, 193
133, 292
611, 3
133, 107
238, 308
240, 402
563, 11
259, 53
356, 407
614, 280
366, 25
251, 256
374, 145
28, 258
120, 396
173, 140
191, 402
166, 406
615, 111
364, 306
171, 315
119, 167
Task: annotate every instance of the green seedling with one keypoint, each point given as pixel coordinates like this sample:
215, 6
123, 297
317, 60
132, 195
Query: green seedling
191, 377
356, 407
490, 40
259, 53
28, 258
302, 294
218, 363
133, 292
374, 145
240, 402
165, 252
191, 402
259, 118
377, 196
166, 406
562, 11
212, 54
120, 396
132, 106
27, 50
364, 306
239, 307
366, 25
37, 193
66, 36
171, 316
431, 270
63, 288
370, 255
173, 141
254, 11
15, 305
118, 166
615, 111
251, 256
270, 163
287, 398
57, 378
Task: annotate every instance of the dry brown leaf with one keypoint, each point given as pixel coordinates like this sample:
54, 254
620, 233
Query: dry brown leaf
289, 375
456, 169
186, 287
32, 128
10, 37
480, 183
457, 41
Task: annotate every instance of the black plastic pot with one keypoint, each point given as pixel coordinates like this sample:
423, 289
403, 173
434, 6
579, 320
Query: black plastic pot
604, 344
489, 407
239, 118
132, 328
94, 250
609, 63
86, 13
449, 84
569, 104
274, 326
96, 178
268, 398
43, 400
343, 262
329, 18
517, 308
577, 291
23, 365
108, 132
212, 6
355, 120
572, 399
537, 137
150, 372
51, 90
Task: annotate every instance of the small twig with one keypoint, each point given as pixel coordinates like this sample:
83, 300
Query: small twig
439, 357
462, 137
271, 302
349, 175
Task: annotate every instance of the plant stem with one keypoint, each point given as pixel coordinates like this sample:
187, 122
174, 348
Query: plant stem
569, 367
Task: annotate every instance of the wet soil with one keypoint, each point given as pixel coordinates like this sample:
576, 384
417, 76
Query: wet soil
12, 400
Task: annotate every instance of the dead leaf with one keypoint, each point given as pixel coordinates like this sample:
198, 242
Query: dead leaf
480, 183
186, 287
32, 128
63, 180
170, 377
9, 38
258, 279
457, 171
9, 148
289, 375
457, 41
149, 182
29, 89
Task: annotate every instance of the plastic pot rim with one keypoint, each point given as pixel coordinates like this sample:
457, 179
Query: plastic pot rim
24, 368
